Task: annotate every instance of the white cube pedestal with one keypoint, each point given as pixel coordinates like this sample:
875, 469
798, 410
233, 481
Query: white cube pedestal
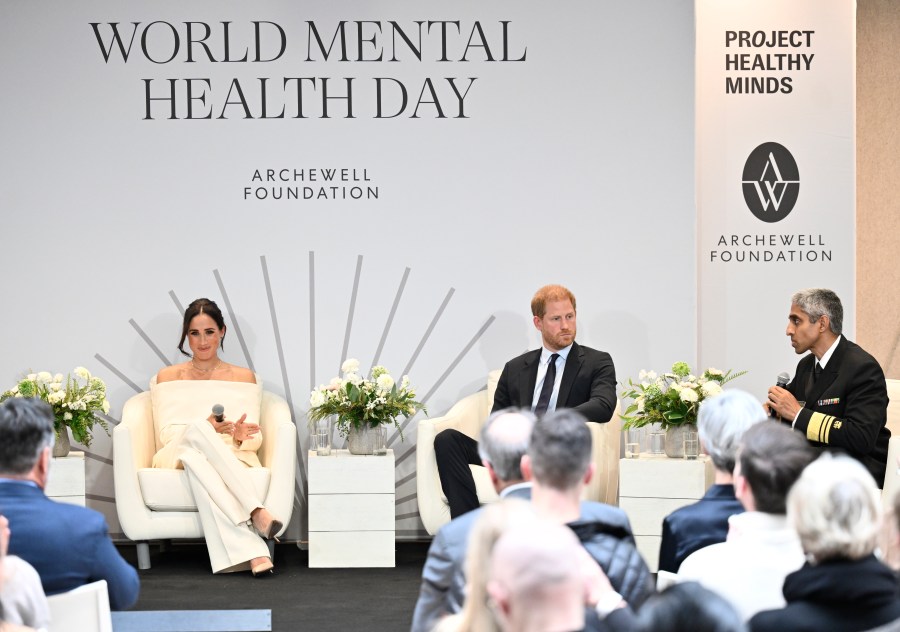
652, 487
351, 510
65, 483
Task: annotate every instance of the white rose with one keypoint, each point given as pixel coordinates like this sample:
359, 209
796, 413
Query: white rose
67, 416
385, 382
651, 375
711, 389
55, 397
675, 387
352, 378
31, 377
712, 371
82, 372
691, 378
689, 395
350, 365
45, 377
316, 399
55, 386
58, 378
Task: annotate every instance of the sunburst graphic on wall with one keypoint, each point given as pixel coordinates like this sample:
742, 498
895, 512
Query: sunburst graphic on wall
321, 369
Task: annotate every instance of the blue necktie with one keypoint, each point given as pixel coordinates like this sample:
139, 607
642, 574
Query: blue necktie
547, 388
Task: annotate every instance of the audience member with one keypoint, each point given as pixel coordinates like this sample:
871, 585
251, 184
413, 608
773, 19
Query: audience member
561, 374
537, 579
68, 545
559, 465
490, 523
721, 422
688, 607
835, 508
504, 439
22, 600
749, 568
841, 386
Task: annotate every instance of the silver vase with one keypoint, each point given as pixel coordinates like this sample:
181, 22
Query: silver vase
62, 447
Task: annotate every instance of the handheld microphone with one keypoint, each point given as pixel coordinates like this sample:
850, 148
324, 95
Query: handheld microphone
782, 380
218, 412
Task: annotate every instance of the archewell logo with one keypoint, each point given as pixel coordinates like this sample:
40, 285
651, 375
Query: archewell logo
771, 182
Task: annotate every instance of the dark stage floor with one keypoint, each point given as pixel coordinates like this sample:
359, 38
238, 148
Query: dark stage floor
304, 598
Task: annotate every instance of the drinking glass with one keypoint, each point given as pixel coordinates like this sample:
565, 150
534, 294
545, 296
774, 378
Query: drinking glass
691, 444
324, 431
379, 440
633, 443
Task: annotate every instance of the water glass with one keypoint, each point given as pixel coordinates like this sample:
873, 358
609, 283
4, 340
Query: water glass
379, 440
323, 436
691, 444
633, 443
657, 441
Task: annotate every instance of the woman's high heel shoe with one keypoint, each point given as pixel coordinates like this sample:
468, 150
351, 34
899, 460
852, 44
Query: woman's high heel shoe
266, 524
263, 567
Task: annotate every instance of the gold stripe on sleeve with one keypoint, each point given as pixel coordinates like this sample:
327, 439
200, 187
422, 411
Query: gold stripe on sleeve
819, 428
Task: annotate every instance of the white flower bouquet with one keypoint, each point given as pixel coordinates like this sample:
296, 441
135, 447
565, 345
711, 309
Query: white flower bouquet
357, 402
671, 399
75, 400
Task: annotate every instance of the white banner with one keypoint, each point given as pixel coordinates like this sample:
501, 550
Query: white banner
389, 181
775, 173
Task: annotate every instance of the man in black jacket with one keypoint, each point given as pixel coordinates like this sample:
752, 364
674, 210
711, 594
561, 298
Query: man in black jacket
841, 386
558, 462
561, 374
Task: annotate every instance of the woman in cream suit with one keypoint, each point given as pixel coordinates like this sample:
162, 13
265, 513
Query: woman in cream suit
215, 453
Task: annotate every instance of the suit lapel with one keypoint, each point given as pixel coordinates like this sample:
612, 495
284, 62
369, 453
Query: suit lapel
829, 374
573, 365
528, 378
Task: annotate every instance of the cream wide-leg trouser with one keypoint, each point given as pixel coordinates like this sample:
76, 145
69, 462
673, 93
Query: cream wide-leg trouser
225, 498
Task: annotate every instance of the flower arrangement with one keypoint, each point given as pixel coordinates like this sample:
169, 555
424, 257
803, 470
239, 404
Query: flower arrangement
75, 400
358, 402
671, 399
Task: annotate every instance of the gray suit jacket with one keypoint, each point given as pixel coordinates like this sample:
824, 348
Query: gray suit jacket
443, 581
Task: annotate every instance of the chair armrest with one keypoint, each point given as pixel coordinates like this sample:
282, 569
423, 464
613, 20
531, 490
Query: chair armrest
467, 416
134, 445
605, 452
278, 452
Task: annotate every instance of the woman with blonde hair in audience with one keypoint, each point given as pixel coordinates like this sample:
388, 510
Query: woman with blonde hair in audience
476, 614
23, 605
835, 507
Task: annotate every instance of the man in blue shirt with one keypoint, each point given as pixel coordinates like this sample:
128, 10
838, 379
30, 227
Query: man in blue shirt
68, 545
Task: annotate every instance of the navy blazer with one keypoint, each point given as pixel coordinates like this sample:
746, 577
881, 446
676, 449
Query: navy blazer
693, 527
846, 407
588, 383
68, 545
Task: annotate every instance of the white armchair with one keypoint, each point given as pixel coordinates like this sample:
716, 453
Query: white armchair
468, 416
157, 504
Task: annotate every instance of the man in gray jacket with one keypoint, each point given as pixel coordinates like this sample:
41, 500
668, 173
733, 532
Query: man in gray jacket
504, 440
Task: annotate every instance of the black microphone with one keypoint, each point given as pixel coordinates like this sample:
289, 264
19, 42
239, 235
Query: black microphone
782, 380
218, 412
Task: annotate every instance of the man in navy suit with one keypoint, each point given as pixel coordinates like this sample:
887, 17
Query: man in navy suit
561, 374
68, 545
841, 386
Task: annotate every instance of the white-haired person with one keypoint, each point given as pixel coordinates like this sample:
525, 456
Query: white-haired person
835, 507
721, 423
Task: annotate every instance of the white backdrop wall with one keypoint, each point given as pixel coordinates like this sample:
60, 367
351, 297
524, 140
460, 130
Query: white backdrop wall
770, 71
572, 166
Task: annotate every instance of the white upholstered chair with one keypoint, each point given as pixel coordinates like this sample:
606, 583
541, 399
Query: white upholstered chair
85, 609
157, 504
468, 416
